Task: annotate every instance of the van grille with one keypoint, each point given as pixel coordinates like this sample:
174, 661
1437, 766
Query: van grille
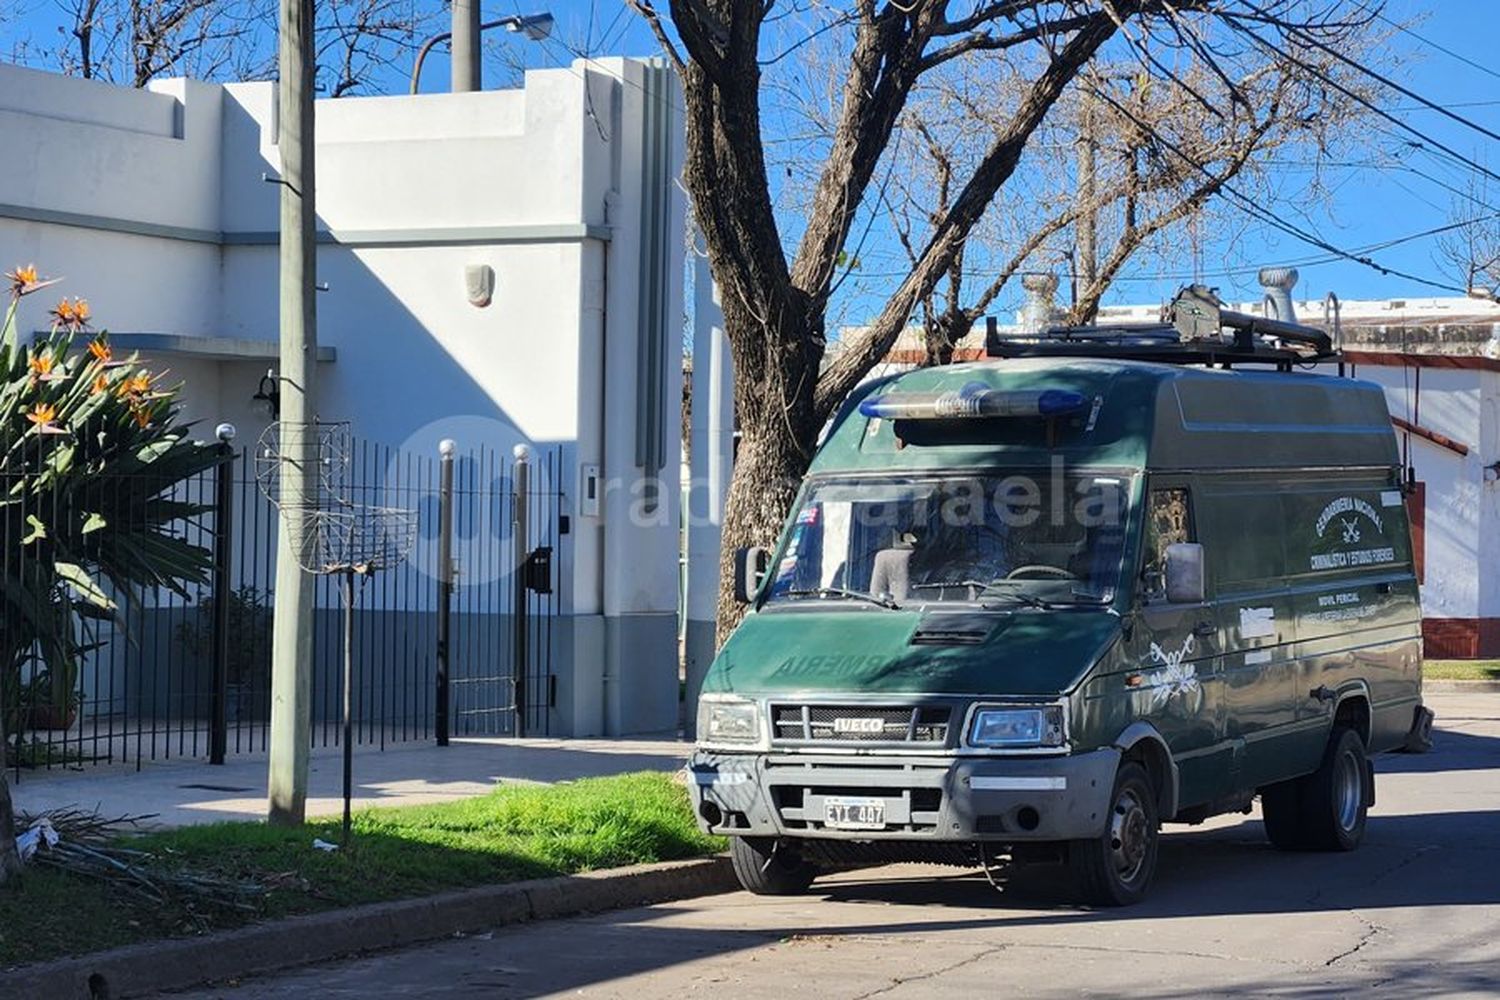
926, 725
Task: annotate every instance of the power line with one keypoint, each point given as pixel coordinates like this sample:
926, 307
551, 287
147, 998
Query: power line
1249, 205
1311, 261
1468, 196
1383, 80
1451, 104
1443, 49
1233, 22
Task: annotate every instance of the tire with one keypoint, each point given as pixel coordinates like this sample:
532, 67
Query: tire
767, 869
1325, 810
1116, 868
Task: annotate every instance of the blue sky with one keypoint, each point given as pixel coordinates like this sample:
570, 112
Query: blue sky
1369, 205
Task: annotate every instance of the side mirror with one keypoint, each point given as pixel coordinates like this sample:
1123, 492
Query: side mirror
749, 570
1184, 573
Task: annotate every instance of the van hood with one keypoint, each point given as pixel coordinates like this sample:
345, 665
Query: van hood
1020, 652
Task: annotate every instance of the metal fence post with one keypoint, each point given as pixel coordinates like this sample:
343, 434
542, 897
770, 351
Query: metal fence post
446, 448
218, 738
521, 483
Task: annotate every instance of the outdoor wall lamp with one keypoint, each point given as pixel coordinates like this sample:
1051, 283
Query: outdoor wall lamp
267, 396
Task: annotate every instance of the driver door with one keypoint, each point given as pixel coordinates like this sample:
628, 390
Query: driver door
1177, 651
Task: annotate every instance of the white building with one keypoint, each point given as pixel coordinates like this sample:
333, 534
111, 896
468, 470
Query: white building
161, 208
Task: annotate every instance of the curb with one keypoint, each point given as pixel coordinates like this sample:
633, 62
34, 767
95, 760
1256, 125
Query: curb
318, 937
1465, 687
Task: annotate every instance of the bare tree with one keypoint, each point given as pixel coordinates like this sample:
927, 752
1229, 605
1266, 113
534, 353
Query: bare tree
133, 42
360, 43
1471, 248
1148, 157
777, 291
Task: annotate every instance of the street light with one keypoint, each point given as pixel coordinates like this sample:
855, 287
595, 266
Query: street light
267, 396
536, 27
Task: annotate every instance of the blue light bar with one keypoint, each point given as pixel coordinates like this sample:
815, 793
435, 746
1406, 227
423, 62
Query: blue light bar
973, 400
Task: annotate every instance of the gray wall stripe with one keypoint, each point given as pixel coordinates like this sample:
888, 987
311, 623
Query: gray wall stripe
569, 232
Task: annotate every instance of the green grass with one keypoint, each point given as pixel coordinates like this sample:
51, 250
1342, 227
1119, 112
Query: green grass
1461, 670
510, 834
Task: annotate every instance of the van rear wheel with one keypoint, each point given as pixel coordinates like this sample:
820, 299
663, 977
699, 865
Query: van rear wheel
768, 868
1115, 868
1325, 810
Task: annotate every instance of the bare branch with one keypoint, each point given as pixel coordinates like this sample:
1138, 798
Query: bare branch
653, 19
845, 371
983, 41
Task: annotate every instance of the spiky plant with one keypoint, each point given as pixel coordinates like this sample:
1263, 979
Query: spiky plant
90, 452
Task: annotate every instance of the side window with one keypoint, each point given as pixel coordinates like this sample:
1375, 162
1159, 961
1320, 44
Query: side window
1169, 519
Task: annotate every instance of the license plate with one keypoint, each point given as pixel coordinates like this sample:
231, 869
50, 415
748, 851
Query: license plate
853, 814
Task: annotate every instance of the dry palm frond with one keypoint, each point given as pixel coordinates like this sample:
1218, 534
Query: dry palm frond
89, 846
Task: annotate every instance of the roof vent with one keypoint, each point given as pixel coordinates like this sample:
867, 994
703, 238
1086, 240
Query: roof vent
1040, 310
1278, 283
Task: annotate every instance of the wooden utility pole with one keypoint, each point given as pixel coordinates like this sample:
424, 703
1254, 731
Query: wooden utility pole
292, 638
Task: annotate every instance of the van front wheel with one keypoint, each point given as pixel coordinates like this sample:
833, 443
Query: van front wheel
1115, 869
767, 868
1325, 810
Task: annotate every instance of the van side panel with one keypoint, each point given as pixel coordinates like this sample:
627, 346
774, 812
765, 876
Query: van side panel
1245, 545
1358, 621
1309, 559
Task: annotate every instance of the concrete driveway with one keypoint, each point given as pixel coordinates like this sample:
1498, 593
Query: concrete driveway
1414, 912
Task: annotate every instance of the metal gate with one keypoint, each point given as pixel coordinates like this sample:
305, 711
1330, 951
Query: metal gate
496, 659
152, 684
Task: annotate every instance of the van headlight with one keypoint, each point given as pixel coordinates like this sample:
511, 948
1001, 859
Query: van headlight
1014, 726
728, 721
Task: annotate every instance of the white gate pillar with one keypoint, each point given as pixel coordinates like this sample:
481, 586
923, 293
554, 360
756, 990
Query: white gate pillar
712, 442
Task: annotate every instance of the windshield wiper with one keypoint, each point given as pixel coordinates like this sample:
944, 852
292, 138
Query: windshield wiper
858, 595
1030, 600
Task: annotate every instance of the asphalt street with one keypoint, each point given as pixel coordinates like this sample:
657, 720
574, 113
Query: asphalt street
1414, 912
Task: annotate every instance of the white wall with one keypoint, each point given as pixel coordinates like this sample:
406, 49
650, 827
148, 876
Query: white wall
156, 208
1461, 506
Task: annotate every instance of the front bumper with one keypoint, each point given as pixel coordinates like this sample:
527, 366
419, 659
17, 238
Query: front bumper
992, 798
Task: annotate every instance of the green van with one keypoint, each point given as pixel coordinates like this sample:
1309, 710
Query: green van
1030, 608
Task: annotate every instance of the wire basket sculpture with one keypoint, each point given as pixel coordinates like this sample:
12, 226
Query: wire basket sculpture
356, 538
325, 446
329, 534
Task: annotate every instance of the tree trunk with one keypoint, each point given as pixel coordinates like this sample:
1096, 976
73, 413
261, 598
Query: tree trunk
776, 359
941, 334
767, 474
10, 861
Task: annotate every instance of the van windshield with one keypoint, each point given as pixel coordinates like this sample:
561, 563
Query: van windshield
1039, 538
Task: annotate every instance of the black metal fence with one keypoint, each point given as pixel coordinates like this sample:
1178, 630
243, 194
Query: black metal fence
146, 677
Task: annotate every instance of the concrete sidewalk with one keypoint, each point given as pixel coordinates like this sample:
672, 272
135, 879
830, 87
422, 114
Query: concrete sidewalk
187, 791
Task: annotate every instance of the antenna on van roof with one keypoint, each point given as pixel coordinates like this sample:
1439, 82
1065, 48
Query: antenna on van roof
1196, 328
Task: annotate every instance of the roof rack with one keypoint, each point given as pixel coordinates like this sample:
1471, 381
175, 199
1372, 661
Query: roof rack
1196, 329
